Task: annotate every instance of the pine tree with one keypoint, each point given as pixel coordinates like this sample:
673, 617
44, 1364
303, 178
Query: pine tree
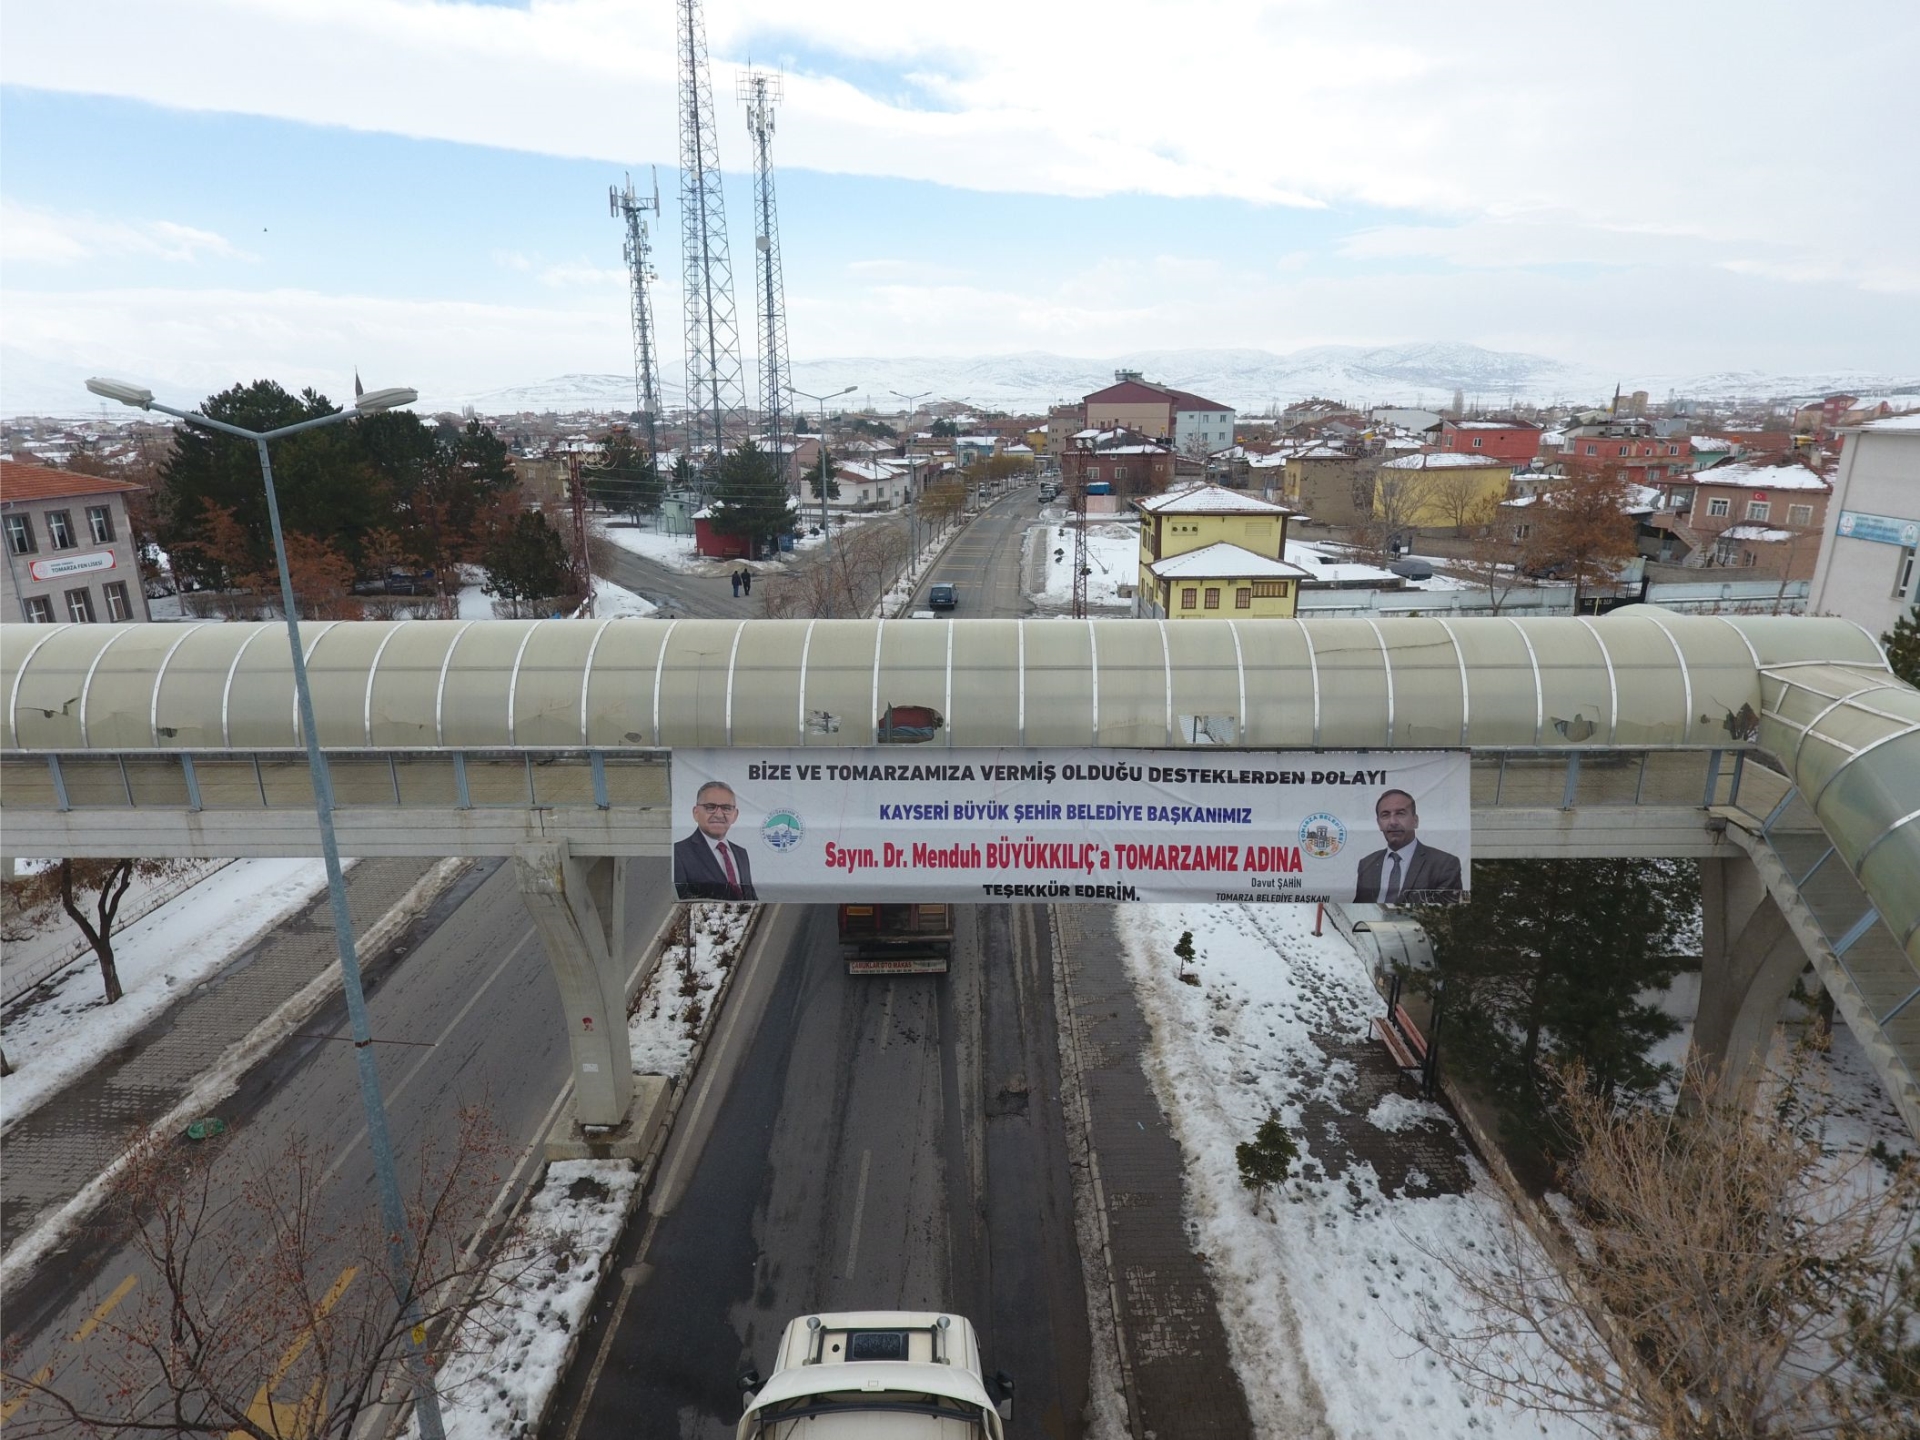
1544, 967
748, 497
1267, 1158
1903, 645
526, 562
625, 478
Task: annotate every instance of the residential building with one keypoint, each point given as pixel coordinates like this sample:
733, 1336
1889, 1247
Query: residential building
1126, 460
871, 484
1866, 569
1767, 516
1210, 553
1329, 485
70, 550
1628, 448
1515, 440
1439, 490
1189, 422
1063, 423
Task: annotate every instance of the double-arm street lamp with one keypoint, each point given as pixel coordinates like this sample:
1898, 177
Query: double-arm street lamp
379, 1142
913, 515
826, 535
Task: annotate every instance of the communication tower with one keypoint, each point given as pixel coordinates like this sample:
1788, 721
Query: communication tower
761, 92
715, 396
638, 250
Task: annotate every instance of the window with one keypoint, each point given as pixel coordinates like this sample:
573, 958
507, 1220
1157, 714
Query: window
1903, 574
1213, 597
1119, 472
1521, 532
1270, 589
100, 522
117, 607
1590, 450
1447, 439
1626, 449
1243, 598
60, 529
80, 606
1189, 597
1758, 509
1800, 514
1093, 472
1719, 505
39, 610
1476, 442
20, 535
1673, 449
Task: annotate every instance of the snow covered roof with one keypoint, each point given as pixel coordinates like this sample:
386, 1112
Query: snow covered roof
1493, 425
1709, 442
1222, 561
1755, 532
1761, 477
1323, 565
1895, 425
1208, 500
1447, 462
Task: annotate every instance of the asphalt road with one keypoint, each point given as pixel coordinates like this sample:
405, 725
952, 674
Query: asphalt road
465, 1011
858, 1142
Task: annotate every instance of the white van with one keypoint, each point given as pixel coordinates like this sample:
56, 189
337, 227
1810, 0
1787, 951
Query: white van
898, 1374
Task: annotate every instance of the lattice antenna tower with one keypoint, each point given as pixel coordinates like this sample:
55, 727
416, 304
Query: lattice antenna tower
760, 92
715, 394
638, 251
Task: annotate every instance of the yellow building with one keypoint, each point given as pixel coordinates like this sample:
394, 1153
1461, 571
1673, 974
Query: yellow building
1208, 552
1440, 491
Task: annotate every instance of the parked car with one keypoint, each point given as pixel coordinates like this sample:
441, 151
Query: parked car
943, 597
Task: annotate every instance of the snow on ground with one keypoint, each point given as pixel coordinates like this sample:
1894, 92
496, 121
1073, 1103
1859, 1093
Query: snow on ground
1321, 1289
668, 1014
64, 1027
1113, 555
514, 1347
609, 599
673, 551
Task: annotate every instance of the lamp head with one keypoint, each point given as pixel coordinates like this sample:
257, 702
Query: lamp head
134, 395
375, 400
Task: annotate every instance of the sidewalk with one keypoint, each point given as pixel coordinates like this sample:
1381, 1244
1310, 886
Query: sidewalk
62, 1147
1178, 1371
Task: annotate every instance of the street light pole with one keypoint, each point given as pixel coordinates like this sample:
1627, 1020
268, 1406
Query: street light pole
379, 1142
826, 535
913, 498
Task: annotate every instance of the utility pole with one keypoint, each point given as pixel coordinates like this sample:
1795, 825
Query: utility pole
760, 92
638, 252
1080, 545
715, 394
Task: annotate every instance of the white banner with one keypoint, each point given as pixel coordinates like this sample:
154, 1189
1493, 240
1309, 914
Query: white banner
831, 825
64, 565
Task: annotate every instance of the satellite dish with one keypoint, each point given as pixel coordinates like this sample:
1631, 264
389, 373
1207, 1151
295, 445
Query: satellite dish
760, 243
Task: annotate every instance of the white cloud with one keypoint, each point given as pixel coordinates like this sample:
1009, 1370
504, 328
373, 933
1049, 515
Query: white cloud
32, 235
1701, 117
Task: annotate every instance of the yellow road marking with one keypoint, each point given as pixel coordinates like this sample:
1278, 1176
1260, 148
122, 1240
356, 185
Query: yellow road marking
87, 1327
302, 1416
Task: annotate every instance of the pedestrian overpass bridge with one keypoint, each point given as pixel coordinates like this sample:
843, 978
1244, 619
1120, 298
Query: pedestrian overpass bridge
1776, 751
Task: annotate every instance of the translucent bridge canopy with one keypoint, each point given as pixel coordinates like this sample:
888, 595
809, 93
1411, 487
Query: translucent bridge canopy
1638, 678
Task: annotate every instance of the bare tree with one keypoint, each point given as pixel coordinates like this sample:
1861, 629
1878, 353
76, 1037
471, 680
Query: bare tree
1400, 498
848, 580
263, 1318
1582, 531
1731, 1278
1494, 561
89, 893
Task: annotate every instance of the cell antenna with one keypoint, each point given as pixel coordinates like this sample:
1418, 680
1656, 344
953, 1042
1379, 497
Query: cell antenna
715, 394
760, 92
625, 205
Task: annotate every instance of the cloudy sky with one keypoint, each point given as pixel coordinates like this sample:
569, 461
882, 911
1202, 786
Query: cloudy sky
198, 191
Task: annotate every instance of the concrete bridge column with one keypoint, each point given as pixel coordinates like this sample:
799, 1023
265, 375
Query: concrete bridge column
579, 908
1750, 958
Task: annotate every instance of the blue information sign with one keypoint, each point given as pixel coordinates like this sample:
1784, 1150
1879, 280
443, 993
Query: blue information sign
1881, 529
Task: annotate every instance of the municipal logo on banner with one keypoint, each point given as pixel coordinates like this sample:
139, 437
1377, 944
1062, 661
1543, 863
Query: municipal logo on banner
782, 830
1322, 835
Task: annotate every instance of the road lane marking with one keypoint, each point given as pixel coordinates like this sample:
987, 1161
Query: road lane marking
87, 1327
859, 1209
420, 1064
302, 1417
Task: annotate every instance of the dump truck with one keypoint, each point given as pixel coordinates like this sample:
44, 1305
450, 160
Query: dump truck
896, 939
904, 1375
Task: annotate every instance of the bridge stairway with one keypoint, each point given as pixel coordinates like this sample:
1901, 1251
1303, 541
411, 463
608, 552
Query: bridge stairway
1874, 983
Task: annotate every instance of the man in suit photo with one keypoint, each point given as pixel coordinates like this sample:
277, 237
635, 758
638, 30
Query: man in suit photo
707, 865
1415, 874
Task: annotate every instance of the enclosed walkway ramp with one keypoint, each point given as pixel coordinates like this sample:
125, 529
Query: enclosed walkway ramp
1779, 740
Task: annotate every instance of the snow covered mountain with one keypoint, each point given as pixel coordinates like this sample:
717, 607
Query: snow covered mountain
1249, 380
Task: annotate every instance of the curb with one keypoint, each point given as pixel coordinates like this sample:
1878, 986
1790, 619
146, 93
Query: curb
1081, 1119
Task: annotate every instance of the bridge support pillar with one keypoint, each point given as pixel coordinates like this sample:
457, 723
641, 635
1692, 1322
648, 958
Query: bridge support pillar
579, 908
1750, 958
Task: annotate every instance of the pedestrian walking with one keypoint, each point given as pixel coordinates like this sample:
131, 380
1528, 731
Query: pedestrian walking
746, 581
735, 577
